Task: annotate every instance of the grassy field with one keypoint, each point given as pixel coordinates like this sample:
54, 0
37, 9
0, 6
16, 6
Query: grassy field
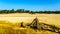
9, 28
9, 23
27, 18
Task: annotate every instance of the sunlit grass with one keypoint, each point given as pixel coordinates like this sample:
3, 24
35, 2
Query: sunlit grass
9, 28
10, 23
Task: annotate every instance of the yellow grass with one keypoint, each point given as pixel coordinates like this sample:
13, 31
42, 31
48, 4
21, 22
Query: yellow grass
7, 28
27, 18
10, 21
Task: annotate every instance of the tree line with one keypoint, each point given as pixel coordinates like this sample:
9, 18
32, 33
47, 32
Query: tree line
27, 11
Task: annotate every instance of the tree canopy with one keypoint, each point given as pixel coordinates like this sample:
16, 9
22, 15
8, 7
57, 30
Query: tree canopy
27, 11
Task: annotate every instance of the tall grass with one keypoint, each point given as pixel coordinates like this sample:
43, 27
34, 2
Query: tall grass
9, 28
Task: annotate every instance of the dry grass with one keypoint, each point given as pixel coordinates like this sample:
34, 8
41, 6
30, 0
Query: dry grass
9, 28
27, 18
9, 23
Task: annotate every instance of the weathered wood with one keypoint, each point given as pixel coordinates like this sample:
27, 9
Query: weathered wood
42, 26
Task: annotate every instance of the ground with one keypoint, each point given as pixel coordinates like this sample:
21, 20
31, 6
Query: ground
10, 21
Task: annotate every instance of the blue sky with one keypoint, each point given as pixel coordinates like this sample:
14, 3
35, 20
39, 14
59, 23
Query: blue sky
30, 4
